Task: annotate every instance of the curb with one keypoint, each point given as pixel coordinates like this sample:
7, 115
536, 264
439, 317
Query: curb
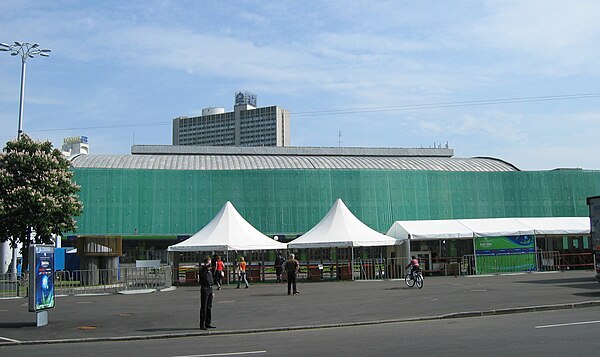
455, 315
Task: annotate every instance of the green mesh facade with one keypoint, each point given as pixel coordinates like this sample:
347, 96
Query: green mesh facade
170, 202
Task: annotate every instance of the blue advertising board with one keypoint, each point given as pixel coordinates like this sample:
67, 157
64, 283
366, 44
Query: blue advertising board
41, 277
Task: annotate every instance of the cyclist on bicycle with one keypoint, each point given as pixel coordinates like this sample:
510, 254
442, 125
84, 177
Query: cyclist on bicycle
414, 266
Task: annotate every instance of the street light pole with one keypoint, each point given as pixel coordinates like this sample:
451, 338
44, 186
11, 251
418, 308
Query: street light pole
25, 50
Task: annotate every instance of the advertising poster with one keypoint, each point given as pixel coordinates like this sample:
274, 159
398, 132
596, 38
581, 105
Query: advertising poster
41, 283
594, 205
505, 254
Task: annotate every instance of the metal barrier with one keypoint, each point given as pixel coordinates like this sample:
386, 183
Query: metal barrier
513, 263
548, 261
110, 281
379, 268
570, 261
10, 286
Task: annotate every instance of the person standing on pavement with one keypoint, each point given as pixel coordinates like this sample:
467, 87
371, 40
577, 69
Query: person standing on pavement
206, 294
292, 267
242, 273
279, 266
219, 272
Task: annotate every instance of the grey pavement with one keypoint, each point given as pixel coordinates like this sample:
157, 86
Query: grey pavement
267, 306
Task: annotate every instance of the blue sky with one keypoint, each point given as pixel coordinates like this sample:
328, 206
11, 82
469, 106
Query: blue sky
120, 71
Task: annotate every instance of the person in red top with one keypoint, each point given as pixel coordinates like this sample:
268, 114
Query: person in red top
414, 265
219, 272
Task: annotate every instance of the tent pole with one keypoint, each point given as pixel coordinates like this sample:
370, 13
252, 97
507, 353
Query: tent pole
228, 266
337, 264
474, 256
352, 262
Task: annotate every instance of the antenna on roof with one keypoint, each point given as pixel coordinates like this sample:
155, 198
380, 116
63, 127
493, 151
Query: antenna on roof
339, 138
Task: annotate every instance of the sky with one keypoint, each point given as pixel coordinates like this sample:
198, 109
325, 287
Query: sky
515, 80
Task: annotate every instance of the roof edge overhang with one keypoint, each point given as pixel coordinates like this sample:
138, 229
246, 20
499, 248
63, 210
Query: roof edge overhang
289, 151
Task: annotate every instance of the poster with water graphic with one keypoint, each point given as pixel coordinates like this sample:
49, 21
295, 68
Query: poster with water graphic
41, 277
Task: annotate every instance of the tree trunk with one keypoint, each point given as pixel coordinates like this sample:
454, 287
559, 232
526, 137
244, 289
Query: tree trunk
25, 252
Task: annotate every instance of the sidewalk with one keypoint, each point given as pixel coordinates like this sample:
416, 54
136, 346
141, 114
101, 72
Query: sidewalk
267, 306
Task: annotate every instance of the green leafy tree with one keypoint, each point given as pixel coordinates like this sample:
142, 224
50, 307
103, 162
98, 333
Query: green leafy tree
38, 197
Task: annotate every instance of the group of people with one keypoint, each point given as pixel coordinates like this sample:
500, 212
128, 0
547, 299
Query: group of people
210, 275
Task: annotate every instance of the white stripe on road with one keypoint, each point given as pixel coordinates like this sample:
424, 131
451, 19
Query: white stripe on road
570, 324
9, 339
226, 354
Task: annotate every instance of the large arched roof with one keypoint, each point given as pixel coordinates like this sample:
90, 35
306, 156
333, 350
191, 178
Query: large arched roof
323, 159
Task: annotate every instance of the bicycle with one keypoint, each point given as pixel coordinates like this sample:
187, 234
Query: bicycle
417, 279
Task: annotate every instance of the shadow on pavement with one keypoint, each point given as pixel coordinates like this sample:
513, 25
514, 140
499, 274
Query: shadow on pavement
17, 324
590, 294
560, 281
168, 329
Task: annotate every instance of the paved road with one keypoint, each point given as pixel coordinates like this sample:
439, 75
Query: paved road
268, 306
550, 333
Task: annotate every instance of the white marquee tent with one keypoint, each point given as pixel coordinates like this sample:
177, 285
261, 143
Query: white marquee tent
559, 225
489, 227
226, 232
341, 229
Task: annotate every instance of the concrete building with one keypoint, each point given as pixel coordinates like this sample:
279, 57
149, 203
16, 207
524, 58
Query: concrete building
247, 125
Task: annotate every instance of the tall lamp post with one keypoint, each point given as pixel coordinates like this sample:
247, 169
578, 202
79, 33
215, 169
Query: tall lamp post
25, 50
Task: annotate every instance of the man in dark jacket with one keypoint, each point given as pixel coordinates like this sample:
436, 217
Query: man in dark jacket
206, 294
292, 267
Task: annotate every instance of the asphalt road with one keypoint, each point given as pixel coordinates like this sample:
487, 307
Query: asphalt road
265, 306
550, 333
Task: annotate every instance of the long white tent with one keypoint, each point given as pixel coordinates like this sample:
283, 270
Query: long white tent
226, 232
488, 227
341, 229
559, 225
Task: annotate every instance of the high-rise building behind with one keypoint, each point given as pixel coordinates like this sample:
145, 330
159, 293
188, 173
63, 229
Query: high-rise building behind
247, 125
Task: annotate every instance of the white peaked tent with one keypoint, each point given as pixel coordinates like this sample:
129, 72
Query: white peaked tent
339, 229
227, 231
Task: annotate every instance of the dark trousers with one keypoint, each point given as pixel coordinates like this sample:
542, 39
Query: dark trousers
206, 297
218, 278
291, 281
278, 271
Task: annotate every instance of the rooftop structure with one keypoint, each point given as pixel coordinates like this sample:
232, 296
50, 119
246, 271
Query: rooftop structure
168, 157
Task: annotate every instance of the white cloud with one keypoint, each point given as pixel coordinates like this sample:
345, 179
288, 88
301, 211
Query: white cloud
553, 37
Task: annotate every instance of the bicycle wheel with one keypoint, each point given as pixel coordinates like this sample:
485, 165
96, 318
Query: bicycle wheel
410, 282
419, 281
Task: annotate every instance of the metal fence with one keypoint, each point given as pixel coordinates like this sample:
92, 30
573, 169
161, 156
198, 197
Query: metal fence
543, 261
101, 281
10, 286
110, 281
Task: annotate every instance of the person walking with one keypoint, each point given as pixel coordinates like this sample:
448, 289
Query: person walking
292, 267
206, 294
279, 266
242, 273
219, 272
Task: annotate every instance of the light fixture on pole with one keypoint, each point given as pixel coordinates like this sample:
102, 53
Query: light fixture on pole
25, 50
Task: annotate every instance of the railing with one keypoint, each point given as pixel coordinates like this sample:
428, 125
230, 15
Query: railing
395, 268
572, 261
110, 281
9, 286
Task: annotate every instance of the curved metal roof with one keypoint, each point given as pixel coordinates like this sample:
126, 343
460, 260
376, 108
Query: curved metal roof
290, 162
